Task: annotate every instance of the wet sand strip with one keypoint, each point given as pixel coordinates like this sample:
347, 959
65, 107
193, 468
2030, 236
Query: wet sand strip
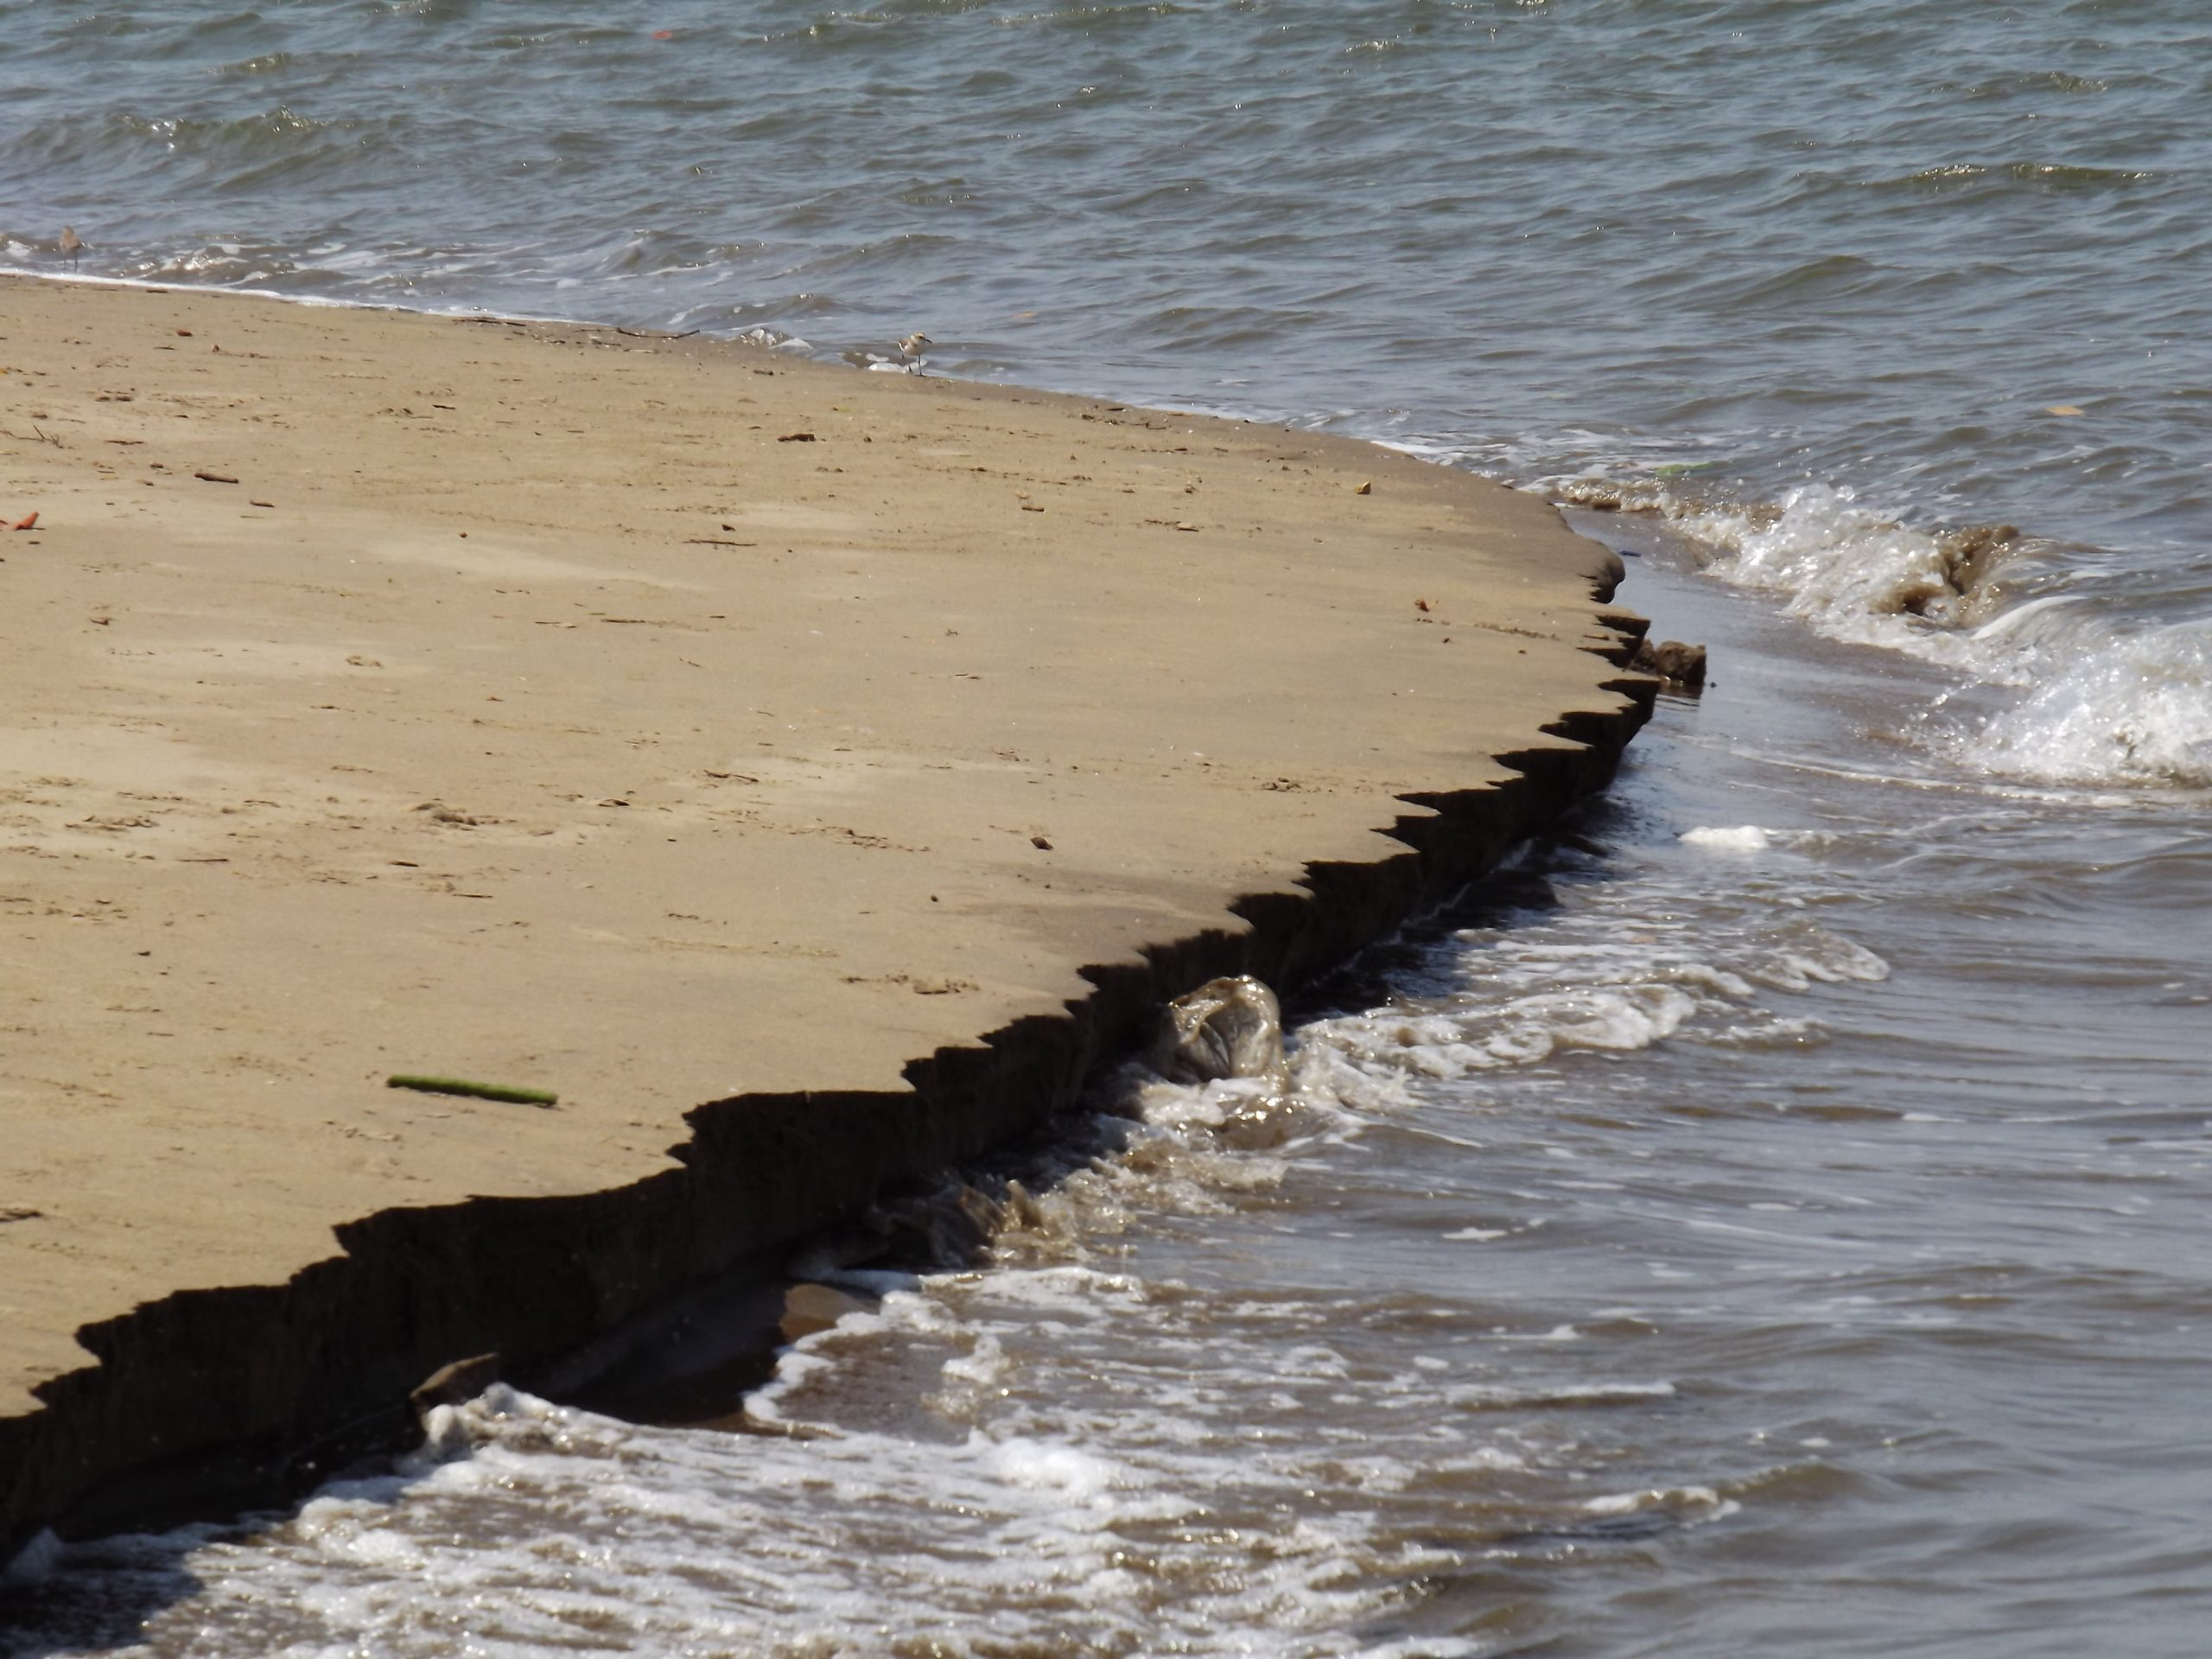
807, 775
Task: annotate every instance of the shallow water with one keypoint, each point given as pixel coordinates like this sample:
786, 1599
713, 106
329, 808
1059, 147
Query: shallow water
1769, 1220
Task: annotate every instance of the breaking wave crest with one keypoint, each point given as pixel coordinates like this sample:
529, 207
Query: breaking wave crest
2134, 708
1526, 1002
2090, 696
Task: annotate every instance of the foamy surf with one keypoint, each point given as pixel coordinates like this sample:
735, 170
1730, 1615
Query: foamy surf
2087, 699
1533, 1003
1738, 838
1042, 1451
977, 1516
2131, 709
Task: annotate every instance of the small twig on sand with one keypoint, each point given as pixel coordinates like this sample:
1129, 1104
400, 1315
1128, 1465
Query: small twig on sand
480, 1090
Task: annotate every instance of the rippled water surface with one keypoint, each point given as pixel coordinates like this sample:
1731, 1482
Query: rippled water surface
1898, 269
1770, 1219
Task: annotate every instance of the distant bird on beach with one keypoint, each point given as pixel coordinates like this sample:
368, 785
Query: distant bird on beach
905, 357
71, 244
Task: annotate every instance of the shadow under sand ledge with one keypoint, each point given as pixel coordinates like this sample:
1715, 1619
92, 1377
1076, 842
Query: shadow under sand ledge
541, 705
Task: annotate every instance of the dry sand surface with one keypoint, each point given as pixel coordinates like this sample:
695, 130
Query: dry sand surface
649, 721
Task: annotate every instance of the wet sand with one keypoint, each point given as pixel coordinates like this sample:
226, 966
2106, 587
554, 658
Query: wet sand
659, 723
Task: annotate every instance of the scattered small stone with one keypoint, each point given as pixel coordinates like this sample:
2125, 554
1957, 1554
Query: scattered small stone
440, 813
1040, 843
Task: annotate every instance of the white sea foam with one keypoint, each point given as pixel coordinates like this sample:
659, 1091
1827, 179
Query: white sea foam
1578, 1395
982, 1365
1668, 1497
1063, 1470
2135, 708
2094, 701
672, 1542
1851, 572
33, 1560
1743, 838
1536, 1003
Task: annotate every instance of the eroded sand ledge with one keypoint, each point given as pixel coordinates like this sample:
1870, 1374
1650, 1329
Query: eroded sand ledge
536, 706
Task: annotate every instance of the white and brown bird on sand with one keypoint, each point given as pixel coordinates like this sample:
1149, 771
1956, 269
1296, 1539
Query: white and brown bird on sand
71, 244
905, 357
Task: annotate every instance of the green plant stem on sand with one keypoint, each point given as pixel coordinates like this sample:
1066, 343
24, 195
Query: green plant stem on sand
481, 1090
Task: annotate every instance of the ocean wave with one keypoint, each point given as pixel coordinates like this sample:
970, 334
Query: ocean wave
1528, 1002
2132, 708
269, 63
2091, 699
1954, 178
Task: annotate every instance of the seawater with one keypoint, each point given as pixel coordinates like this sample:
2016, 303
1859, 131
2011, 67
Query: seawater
1767, 1219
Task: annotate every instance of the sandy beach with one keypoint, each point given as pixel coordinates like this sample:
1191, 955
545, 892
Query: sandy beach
659, 723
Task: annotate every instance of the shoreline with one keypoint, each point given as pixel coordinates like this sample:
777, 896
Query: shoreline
879, 903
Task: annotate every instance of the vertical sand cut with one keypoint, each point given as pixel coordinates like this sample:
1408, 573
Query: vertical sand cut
657, 722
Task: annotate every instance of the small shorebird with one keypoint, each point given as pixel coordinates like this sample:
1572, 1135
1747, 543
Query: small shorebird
71, 244
905, 357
